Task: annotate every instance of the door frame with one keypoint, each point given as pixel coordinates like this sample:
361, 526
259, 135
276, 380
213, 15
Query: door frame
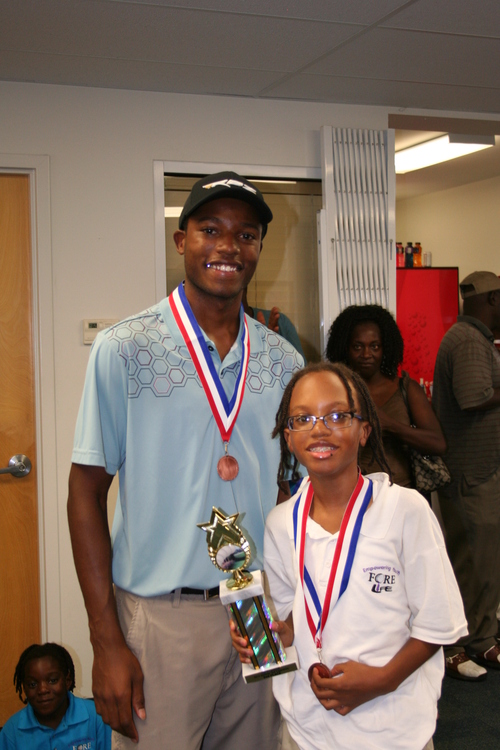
37, 167
161, 167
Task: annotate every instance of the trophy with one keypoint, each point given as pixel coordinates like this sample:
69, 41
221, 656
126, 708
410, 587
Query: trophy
243, 595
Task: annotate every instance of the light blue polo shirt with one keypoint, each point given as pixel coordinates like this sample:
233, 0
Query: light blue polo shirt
81, 728
144, 413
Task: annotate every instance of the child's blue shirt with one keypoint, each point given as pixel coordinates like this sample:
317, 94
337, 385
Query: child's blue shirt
81, 728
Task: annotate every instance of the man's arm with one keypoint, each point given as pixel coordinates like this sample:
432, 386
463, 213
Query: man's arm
117, 677
491, 403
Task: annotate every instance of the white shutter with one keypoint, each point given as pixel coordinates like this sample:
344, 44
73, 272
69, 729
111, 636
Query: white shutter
357, 259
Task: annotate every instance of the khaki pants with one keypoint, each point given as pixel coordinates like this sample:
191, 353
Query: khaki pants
194, 692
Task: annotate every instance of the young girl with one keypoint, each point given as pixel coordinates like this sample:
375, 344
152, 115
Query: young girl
360, 579
53, 717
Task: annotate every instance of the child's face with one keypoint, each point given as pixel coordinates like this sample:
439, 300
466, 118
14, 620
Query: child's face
46, 688
324, 450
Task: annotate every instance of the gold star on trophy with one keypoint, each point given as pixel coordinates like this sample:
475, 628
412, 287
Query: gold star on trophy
228, 548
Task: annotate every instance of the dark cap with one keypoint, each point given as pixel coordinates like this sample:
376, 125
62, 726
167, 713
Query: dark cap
226, 185
479, 282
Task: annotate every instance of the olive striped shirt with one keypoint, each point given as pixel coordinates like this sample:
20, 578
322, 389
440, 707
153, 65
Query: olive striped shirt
467, 370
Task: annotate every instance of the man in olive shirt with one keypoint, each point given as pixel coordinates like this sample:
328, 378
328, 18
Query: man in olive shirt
466, 397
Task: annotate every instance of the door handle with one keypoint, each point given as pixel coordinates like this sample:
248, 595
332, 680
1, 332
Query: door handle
19, 466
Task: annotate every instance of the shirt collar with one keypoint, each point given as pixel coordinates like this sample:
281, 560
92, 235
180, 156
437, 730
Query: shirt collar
477, 324
234, 353
75, 714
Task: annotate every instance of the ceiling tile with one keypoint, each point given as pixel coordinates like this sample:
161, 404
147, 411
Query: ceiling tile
451, 17
385, 93
151, 33
138, 75
338, 11
416, 56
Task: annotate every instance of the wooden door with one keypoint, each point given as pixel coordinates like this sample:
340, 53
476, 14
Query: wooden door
19, 571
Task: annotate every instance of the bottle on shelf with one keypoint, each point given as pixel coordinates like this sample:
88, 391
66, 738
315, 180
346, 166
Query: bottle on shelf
400, 255
417, 255
409, 255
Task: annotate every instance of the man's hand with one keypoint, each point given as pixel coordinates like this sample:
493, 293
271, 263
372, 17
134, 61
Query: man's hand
273, 319
240, 644
117, 685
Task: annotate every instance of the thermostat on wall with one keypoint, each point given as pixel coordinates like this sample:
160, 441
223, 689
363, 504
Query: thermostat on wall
92, 326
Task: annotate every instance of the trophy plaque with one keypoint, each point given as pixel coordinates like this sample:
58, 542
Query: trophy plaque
243, 595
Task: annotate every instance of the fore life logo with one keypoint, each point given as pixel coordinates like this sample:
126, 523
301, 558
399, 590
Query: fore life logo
230, 183
382, 578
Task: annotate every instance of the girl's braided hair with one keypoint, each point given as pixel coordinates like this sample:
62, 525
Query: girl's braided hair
37, 651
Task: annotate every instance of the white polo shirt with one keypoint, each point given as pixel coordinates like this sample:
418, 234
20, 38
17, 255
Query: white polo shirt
401, 585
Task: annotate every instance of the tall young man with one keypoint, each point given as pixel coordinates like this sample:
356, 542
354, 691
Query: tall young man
180, 401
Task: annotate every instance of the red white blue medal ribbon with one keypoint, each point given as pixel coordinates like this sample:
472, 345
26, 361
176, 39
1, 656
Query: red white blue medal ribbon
224, 410
316, 612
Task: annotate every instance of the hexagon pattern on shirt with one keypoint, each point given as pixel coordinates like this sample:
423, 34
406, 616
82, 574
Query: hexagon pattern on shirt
156, 363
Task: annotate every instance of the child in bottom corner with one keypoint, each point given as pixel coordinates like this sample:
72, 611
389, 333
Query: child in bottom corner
359, 576
53, 717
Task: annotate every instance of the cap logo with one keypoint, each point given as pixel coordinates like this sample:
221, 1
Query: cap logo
231, 183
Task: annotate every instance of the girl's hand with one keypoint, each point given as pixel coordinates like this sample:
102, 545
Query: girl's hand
284, 628
351, 685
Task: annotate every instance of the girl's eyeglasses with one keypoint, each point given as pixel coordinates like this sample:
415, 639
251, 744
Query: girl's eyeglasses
337, 420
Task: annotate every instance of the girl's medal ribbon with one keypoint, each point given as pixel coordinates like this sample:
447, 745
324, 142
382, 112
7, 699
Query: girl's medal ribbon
316, 613
225, 411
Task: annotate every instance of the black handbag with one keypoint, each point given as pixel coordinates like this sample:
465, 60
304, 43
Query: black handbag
429, 472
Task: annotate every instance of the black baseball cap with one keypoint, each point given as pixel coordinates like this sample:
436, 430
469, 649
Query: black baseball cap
226, 185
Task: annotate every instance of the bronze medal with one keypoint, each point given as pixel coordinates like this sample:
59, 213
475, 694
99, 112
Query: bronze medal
323, 670
227, 468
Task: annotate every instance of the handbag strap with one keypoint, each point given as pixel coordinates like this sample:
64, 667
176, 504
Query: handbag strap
403, 380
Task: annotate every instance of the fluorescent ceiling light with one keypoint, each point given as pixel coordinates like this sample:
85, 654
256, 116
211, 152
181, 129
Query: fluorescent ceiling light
173, 212
438, 150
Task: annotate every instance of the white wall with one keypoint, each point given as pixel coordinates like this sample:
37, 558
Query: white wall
101, 145
461, 226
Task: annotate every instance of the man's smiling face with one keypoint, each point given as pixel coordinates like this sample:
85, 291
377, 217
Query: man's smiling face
221, 246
